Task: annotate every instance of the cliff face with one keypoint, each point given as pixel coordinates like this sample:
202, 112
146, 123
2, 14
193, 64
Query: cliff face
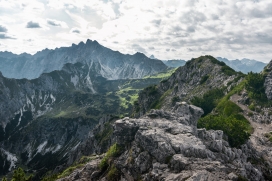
166, 145
105, 62
268, 80
41, 94
195, 78
28, 137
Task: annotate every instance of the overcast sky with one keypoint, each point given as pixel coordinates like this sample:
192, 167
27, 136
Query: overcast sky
168, 29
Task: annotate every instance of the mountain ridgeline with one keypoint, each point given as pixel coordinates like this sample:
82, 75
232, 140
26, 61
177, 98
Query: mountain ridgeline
106, 62
244, 65
195, 78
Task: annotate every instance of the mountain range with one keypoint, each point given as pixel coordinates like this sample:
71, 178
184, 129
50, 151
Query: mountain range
86, 112
107, 63
244, 65
171, 63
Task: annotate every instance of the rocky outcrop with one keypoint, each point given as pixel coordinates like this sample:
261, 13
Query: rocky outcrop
166, 145
105, 62
268, 80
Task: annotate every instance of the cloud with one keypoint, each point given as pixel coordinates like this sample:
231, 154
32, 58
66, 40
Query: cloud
138, 48
3, 29
5, 36
75, 30
53, 22
32, 24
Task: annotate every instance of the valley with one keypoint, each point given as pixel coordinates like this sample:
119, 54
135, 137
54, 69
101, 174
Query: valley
45, 118
201, 120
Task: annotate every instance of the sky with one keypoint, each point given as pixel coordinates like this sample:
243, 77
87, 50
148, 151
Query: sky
167, 29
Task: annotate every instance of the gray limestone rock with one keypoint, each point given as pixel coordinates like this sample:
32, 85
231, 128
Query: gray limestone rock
159, 146
268, 80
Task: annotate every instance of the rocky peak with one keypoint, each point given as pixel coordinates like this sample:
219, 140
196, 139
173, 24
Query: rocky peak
111, 64
166, 145
140, 55
195, 78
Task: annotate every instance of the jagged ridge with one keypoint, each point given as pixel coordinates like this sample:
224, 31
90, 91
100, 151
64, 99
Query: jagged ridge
108, 64
193, 79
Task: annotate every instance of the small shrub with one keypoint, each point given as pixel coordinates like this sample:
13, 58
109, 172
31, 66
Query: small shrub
204, 79
136, 106
69, 170
113, 173
269, 136
19, 175
168, 159
209, 100
231, 109
164, 80
85, 159
50, 177
113, 151
250, 114
228, 71
235, 129
255, 86
175, 99
214, 60
251, 107
241, 178
152, 90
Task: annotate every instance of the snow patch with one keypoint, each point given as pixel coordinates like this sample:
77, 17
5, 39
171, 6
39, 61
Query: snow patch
52, 98
74, 148
58, 147
41, 147
20, 118
89, 82
29, 103
11, 158
75, 80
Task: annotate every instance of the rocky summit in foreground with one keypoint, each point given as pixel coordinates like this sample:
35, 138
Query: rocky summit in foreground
165, 145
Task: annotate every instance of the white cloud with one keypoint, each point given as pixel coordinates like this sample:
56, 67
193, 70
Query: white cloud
169, 29
54, 22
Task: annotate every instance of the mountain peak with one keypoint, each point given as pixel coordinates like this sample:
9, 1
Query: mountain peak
139, 54
81, 43
152, 57
109, 63
202, 59
92, 43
